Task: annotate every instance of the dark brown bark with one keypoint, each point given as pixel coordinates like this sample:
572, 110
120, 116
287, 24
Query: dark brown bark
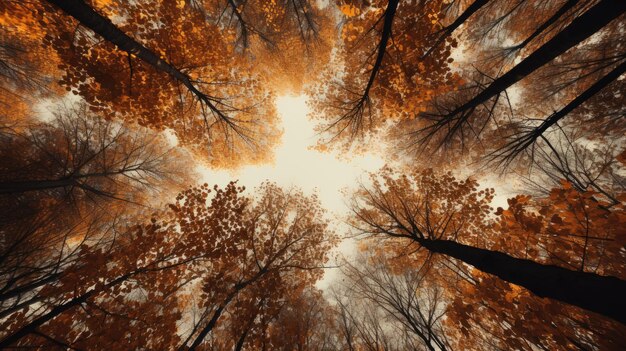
242, 337
390, 13
11, 293
600, 294
35, 185
242, 23
32, 327
448, 30
552, 20
580, 99
216, 316
354, 116
518, 145
580, 29
102, 26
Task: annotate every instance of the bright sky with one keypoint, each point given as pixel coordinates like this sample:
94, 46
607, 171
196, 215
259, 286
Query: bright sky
297, 165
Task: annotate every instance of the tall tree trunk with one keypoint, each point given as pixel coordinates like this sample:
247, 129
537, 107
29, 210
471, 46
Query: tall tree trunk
35, 185
580, 99
244, 334
354, 115
390, 13
519, 144
7, 293
593, 292
552, 20
35, 324
102, 26
216, 315
56, 311
447, 31
580, 29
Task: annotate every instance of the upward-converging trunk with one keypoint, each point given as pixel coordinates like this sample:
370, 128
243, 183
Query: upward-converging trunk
216, 315
593, 292
390, 13
35, 185
447, 31
545, 25
56, 311
580, 29
102, 26
220, 309
522, 142
580, 99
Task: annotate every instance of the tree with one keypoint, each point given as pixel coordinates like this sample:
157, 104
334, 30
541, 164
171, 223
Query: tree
229, 248
79, 155
578, 161
568, 229
305, 322
71, 182
289, 41
449, 123
151, 69
405, 297
449, 217
394, 79
284, 245
364, 327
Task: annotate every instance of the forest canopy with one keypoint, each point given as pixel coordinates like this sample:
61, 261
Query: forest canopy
497, 222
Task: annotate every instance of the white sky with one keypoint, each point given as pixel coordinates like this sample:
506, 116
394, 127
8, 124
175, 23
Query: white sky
297, 165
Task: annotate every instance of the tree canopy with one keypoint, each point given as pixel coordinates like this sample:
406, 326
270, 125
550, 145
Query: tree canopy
497, 223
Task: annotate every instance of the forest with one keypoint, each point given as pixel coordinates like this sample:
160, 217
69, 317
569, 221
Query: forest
112, 239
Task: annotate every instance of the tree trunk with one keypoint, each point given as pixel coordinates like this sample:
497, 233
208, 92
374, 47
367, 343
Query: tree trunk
7, 293
102, 26
600, 294
216, 315
242, 337
390, 13
529, 138
56, 311
580, 29
560, 12
447, 31
35, 324
34, 185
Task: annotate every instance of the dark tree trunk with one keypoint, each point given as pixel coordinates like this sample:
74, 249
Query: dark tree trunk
242, 337
19, 306
56, 311
580, 29
35, 185
390, 13
580, 99
447, 31
7, 293
519, 144
102, 26
216, 315
600, 294
552, 20
35, 324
